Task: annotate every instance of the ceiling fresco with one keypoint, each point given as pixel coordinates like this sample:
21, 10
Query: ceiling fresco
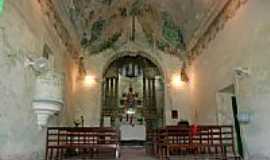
174, 26
104, 24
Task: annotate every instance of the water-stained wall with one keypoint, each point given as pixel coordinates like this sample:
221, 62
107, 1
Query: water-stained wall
24, 30
244, 42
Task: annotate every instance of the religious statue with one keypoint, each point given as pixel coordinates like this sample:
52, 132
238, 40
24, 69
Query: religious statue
77, 122
130, 101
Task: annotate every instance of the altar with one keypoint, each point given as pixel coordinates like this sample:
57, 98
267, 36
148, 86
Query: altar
133, 133
132, 99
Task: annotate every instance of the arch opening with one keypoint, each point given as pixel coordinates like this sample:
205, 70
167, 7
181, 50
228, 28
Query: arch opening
133, 97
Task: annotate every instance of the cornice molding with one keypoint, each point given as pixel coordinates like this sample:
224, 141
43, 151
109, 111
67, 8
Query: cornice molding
206, 34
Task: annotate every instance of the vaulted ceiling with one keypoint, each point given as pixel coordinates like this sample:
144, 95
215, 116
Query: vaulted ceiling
173, 24
169, 23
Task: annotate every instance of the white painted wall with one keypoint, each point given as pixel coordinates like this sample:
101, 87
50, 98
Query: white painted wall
244, 42
88, 101
23, 31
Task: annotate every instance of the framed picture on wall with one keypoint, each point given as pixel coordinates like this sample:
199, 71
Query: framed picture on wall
174, 114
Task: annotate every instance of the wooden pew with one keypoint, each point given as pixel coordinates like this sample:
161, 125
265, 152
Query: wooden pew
216, 142
150, 138
95, 142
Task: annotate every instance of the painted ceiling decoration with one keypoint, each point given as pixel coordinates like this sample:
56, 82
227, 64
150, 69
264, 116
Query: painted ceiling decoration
111, 23
173, 26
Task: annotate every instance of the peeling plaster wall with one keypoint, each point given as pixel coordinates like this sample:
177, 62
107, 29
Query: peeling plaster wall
23, 32
244, 42
88, 99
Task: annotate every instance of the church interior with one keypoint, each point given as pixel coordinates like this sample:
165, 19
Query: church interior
134, 79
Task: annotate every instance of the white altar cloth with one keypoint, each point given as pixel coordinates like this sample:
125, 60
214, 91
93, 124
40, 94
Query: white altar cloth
129, 133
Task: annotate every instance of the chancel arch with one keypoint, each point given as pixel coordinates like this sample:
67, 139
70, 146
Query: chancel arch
133, 96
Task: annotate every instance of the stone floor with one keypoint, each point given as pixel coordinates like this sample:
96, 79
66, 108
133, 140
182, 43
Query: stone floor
138, 153
128, 153
135, 154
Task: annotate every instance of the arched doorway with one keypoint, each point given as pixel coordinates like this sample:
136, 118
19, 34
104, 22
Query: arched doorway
133, 97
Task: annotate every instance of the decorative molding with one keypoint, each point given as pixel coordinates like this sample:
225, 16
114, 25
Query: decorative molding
199, 43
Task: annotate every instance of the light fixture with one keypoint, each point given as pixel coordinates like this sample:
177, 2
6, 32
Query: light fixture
176, 80
89, 80
180, 78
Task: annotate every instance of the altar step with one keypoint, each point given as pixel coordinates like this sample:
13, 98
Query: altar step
132, 143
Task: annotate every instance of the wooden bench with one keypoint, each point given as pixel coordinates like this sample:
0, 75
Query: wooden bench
216, 142
94, 142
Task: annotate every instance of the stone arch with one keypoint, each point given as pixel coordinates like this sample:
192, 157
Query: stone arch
155, 62
143, 54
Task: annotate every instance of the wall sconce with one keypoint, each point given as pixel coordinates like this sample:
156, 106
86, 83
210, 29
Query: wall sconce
179, 79
89, 80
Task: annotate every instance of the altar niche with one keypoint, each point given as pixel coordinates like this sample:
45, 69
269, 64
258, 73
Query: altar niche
133, 97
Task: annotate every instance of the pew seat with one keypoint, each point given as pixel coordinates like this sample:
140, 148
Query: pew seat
93, 143
213, 142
